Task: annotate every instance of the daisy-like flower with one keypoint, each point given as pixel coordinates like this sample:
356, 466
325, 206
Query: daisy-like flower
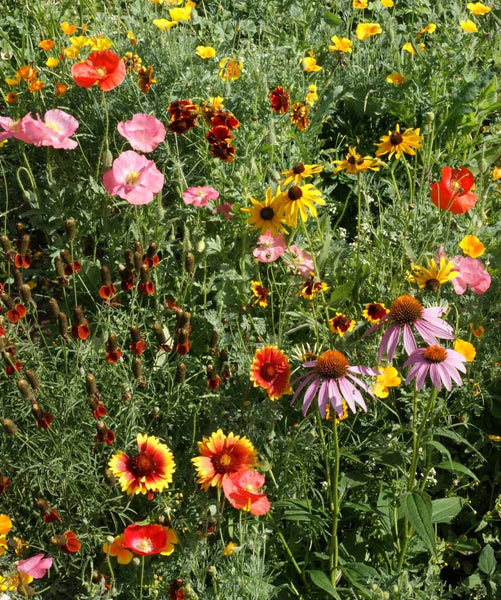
279, 99
341, 324
299, 172
356, 163
260, 293
472, 246
300, 200
270, 370
396, 142
268, 214
241, 490
389, 378
468, 26
477, 8
367, 30
395, 78
311, 288
148, 471
405, 312
374, 312
340, 44
331, 377
299, 116
360, 4
435, 276
442, 365
221, 456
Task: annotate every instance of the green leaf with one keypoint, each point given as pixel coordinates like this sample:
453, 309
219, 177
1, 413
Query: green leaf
452, 435
455, 467
320, 579
341, 292
472, 581
331, 18
444, 510
440, 447
487, 561
359, 574
417, 508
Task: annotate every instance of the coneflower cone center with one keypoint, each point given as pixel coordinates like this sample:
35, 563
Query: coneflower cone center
298, 168
267, 213
223, 463
435, 354
268, 372
295, 193
396, 138
406, 310
142, 465
332, 365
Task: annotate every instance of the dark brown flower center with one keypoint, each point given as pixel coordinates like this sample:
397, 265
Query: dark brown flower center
223, 463
435, 354
295, 193
376, 311
267, 213
142, 465
432, 285
406, 310
396, 138
332, 365
298, 168
351, 160
267, 371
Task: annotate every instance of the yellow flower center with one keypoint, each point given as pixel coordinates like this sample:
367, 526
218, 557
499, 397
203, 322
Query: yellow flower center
144, 545
435, 354
101, 71
295, 193
406, 310
132, 177
332, 365
225, 460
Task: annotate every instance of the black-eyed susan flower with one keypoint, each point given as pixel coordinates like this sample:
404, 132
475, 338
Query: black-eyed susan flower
267, 215
435, 276
395, 143
300, 200
374, 311
341, 324
299, 116
270, 370
148, 471
260, 293
222, 455
340, 44
355, 163
299, 172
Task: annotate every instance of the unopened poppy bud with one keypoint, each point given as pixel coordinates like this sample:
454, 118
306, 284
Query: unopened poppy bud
62, 321
213, 341
105, 275
109, 477
112, 343
26, 293
201, 245
18, 277
70, 228
37, 411
189, 263
180, 373
24, 387
24, 244
53, 309
137, 367
9, 426
107, 161
7, 300
129, 259
136, 562
32, 377
90, 384
58, 263
152, 249
135, 334
78, 315
159, 334
66, 256
6, 245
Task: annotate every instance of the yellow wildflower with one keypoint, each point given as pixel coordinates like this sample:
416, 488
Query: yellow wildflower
389, 378
230, 549
164, 24
52, 62
205, 51
472, 246
182, 14
466, 349
340, 44
387, 3
67, 28
230, 69
310, 64
468, 26
311, 96
496, 173
100, 43
79, 41
477, 8
359, 3
395, 78
367, 30
409, 47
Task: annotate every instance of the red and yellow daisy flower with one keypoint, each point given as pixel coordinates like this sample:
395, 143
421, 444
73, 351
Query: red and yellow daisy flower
374, 311
341, 324
148, 471
260, 293
222, 455
270, 370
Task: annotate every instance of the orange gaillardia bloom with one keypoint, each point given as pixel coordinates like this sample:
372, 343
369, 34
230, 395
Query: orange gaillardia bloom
221, 456
270, 370
299, 115
148, 471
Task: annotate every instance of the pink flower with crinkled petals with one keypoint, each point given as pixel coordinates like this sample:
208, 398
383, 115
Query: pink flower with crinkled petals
302, 261
272, 247
199, 196
55, 130
134, 178
35, 566
144, 133
471, 273
224, 209
16, 128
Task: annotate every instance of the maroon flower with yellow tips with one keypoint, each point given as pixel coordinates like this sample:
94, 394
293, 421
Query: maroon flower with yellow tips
148, 471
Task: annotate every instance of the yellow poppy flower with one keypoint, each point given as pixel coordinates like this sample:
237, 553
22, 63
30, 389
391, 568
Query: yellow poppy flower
340, 44
477, 8
472, 246
466, 349
205, 51
310, 64
367, 30
468, 26
395, 78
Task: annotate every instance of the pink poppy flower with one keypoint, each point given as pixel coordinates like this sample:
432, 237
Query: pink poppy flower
442, 365
224, 209
36, 566
471, 273
144, 133
302, 261
16, 128
55, 130
272, 247
134, 178
241, 490
199, 196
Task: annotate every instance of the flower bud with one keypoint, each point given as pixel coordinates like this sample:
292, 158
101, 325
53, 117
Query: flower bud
53, 309
138, 247
26, 293
70, 228
137, 367
58, 263
159, 334
32, 377
152, 249
24, 387
24, 244
66, 256
105, 275
18, 277
62, 321
4, 240
90, 384
135, 334
9, 426
189, 263
129, 259
78, 315
180, 373
112, 343
110, 480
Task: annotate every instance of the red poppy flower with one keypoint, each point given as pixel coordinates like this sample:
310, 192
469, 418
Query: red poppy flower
279, 99
241, 490
270, 370
145, 540
102, 67
138, 347
73, 267
452, 193
106, 292
71, 543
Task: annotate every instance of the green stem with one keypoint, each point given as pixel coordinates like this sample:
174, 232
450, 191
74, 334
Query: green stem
142, 578
359, 221
334, 491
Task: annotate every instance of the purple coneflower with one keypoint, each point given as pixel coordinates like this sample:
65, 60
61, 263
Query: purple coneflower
404, 312
331, 379
442, 365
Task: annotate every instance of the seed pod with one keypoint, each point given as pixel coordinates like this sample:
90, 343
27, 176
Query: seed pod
58, 263
32, 377
180, 373
135, 334
9, 426
213, 341
66, 256
129, 259
6, 245
53, 309
62, 321
112, 343
18, 277
37, 411
78, 315
138, 247
159, 334
138, 261
109, 477
152, 249
189, 263
24, 387
70, 228
24, 244
90, 384
26, 293
105, 275
137, 368
7, 300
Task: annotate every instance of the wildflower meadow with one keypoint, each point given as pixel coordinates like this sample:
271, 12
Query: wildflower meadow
250, 258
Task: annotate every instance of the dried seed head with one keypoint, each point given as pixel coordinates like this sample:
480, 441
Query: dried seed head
26, 293
66, 256
109, 477
138, 247
112, 343
24, 244
70, 228
24, 387
18, 277
135, 334
7, 300
180, 373
137, 367
62, 321
53, 309
144, 274
90, 384
152, 249
159, 334
138, 261
213, 341
189, 263
78, 315
129, 259
58, 263
32, 377
6, 245
105, 275
93, 402
9, 426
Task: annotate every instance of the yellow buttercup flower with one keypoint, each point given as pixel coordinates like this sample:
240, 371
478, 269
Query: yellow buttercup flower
472, 246
367, 30
79, 41
466, 349
340, 44
311, 96
395, 78
468, 26
477, 8
389, 378
310, 64
205, 51
52, 62
182, 14
164, 24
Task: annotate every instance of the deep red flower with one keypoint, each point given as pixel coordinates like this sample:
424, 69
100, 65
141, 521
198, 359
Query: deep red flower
151, 261
106, 292
103, 67
80, 332
127, 284
4, 484
138, 347
22, 261
50, 516
146, 287
74, 267
145, 540
113, 356
223, 151
452, 193
183, 109
44, 419
18, 312
71, 543
225, 118
18, 365
219, 134
279, 99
